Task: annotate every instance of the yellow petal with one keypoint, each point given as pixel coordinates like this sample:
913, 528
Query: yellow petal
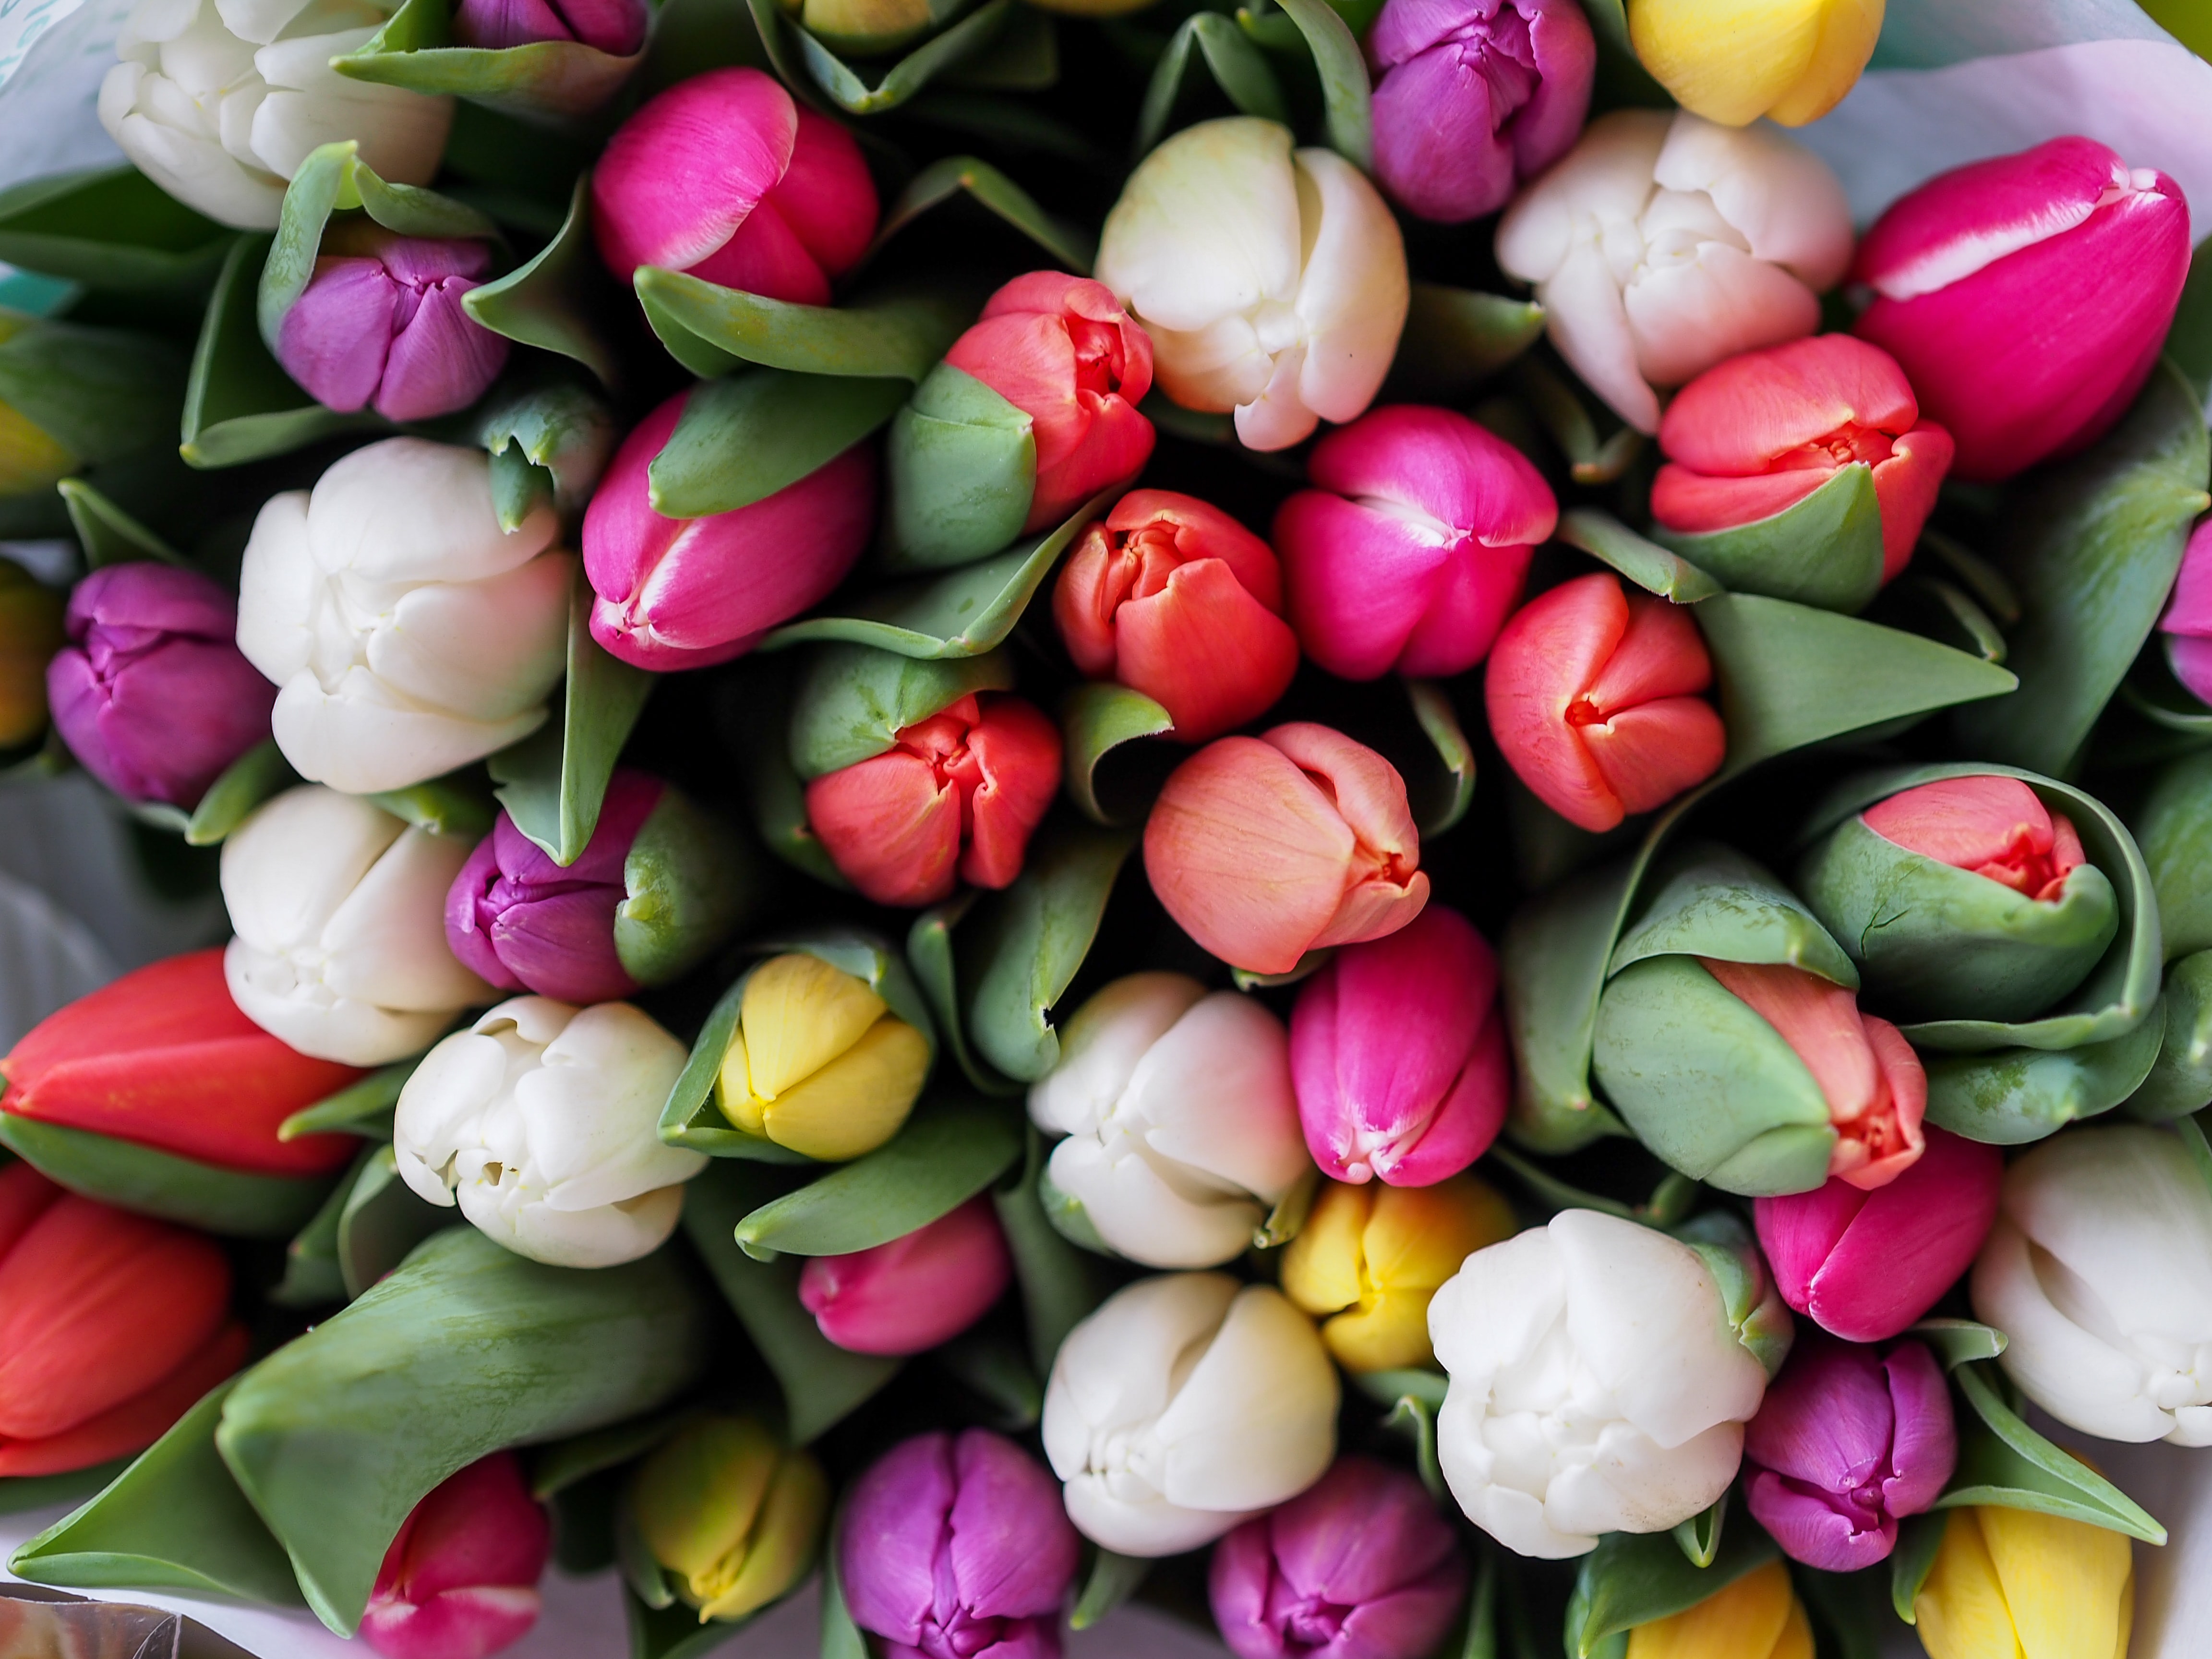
1960, 1611
30, 461
2063, 1581
733, 1089
799, 1014
855, 1103
1744, 1621
30, 634
783, 1543
1321, 1268
1726, 60
697, 1496
1848, 32
1387, 1332
1418, 1236
1797, 1639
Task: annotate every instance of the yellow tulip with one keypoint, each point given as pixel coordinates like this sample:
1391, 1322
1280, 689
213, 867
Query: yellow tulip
1373, 1255
2013, 1584
1757, 1617
1733, 61
819, 1064
30, 634
735, 1516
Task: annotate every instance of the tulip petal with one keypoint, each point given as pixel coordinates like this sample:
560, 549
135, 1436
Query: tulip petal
1685, 316
1651, 753
137, 1423
1695, 504
1017, 753
681, 176
1551, 648
1739, 417
1925, 1450
1906, 485
1206, 650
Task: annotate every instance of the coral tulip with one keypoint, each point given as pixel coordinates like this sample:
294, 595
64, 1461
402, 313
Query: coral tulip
460, 1581
1791, 61
917, 1291
617, 27
2187, 623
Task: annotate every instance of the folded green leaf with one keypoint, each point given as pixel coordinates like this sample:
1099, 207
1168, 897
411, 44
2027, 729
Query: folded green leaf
1347, 101
854, 700
1439, 793
382, 1219
548, 300
460, 805
2180, 1079
2018, 1094
743, 438
362, 1108
1700, 1535
1072, 246
1455, 339
1919, 1538
960, 473
1415, 1417
1096, 719
1237, 68
311, 1276
1633, 1578
710, 329
254, 777
557, 427
846, 89
560, 1465
1825, 551
111, 227
101, 393
2004, 1463
2174, 828
1060, 1285
231, 1202
1711, 901
1650, 565
107, 533
1112, 1580
929, 952
543, 79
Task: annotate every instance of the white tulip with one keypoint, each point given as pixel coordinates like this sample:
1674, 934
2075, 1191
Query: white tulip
542, 1121
1273, 283
1660, 246
218, 101
408, 633
2098, 1271
1182, 1129
1596, 1384
1187, 1403
340, 912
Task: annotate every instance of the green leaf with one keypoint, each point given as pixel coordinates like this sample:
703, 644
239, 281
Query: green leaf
1700, 1535
2188, 342
555, 428
1561, 412
1287, 1219
1440, 793
1825, 551
1650, 565
743, 438
1060, 1285
109, 534
1415, 1417
1633, 1578
541, 80
841, 1637
929, 952
754, 709
101, 393
854, 700
999, 1375
2174, 828
457, 805
1237, 68
312, 1278
549, 301
1113, 1579
1098, 718
362, 1108
2018, 1094
960, 473
2004, 1463
1025, 58
1455, 339
109, 228
1070, 243
1959, 1342
1345, 98
846, 89
557, 1467
710, 329
2180, 1079
255, 776
231, 1202
1714, 901
1919, 1538
1945, 608
382, 1219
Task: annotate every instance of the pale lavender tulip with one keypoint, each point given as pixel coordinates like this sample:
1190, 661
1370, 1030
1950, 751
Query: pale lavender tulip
612, 26
380, 323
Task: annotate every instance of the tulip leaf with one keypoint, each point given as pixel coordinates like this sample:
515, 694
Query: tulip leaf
929, 952
1346, 99
109, 534
2018, 1094
556, 429
1824, 550
1096, 719
21, 1493
1713, 902
109, 228
1562, 414
941, 180
312, 1278
1951, 608
1455, 339
382, 1219
549, 299
563, 1464
1112, 1580
2152, 691
1287, 1219
362, 1108
2188, 341
1634, 1578
1440, 793
1414, 1416
649, 1590
103, 394
2004, 1463
1700, 1535
710, 329
540, 79
1060, 1285
2093, 546
2173, 827
1650, 565
255, 776
743, 438
1237, 68
854, 700
234, 1203
846, 89
960, 473
2180, 1080
1959, 1342
841, 1637
753, 707
1918, 1539
458, 805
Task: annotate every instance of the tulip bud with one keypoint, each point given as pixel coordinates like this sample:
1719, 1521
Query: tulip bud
1272, 281
1359, 1565
1174, 599
955, 797
1864, 1265
380, 323
151, 693
863, 28
30, 632
1398, 1048
2187, 623
1791, 61
733, 1517
1846, 1441
2028, 296
614, 27
726, 178
112, 1327
541, 1120
1592, 693
1757, 1616
1182, 1130
2009, 1581
1372, 1257
460, 1581
1664, 244
819, 1064
916, 1291
1264, 848
1184, 1407
690, 592
957, 1545
1754, 436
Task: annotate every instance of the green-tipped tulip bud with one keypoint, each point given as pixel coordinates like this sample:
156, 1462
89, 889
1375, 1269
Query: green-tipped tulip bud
1751, 1301
731, 1515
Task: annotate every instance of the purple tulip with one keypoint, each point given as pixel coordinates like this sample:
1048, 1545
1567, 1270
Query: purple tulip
1359, 1565
612, 26
1847, 1441
958, 1549
1476, 96
152, 694
380, 322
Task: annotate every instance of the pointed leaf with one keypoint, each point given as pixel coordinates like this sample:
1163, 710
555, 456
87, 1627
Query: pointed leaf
1919, 1538
1415, 1417
1650, 565
548, 300
1825, 551
1113, 1579
846, 89
109, 534
854, 700
1959, 1342
362, 1108
929, 952
458, 805
1287, 1219
382, 1219
1442, 790
1234, 63
231, 1202
1455, 339
109, 228
1060, 1285
2017, 1095
1096, 719
710, 329
1073, 246
1347, 101
1633, 1578
255, 776
312, 1278
2005, 1463
1709, 900
743, 438
1700, 1535
543, 79
557, 427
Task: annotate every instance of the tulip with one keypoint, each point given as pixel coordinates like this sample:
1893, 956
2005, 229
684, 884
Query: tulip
1865, 1265
1272, 281
1846, 1441
1264, 848
916, 1291
956, 1544
1174, 599
151, 693
341, 947
407, 632
112, 1327
732, 1516
615, 26
1597, 1385
1592, 693
2007, 1581
31, 631
1758, 1616
1359, 1565
163, 1057
541, 1120
1371, 1258
1754, 436
1662, 245
863, 27
1186, 1404
380, 323
2099, 1271
1475, 97
1791, 61
819, 1064
2026, 297
726, 178
2187, 623
955, 798
219, 103
690, 592
656, 888
1398, 1048
460, 1581
1182, 1130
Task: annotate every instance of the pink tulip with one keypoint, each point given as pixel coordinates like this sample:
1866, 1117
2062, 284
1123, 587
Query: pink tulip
1409, 553
380, 322
1865, 1265
1996, 827
1592, 699
1174, 599
610, 26
1756, 435
2187, 623
1264, 848
913, 1292
725, 178
2028, 296
1061, 349
1398, 1054
460, 1581
689, 592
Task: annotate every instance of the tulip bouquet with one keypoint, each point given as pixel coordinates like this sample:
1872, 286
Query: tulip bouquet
1368, 814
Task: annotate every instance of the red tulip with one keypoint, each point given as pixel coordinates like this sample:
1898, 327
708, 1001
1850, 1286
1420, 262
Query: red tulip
460, 1581
1174, 599
1993, 826
917, 1291
1592, 698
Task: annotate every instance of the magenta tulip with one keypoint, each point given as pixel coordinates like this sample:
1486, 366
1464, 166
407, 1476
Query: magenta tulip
2187, 623
380, 323
460, 1581
1407, 555
2026, 297
913, 1292
610, 26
